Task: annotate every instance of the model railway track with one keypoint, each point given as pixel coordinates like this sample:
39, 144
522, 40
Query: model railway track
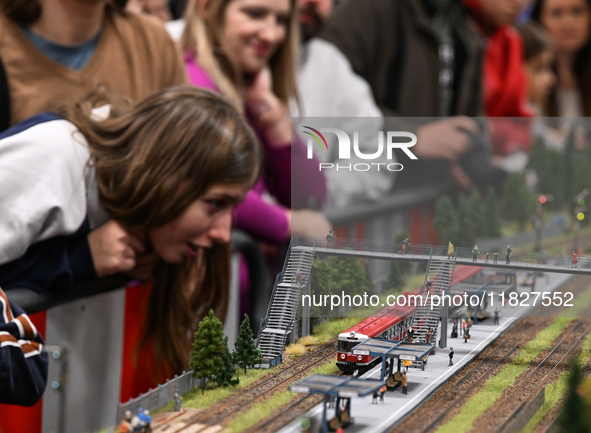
436, 410
232, 406
501, 415
439, 408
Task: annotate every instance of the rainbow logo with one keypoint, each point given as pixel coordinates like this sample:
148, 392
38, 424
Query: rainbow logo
315, 137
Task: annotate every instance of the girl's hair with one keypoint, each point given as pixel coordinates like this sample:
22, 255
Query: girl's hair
26, 12
151, 162
202, 37
582, 69
536, 40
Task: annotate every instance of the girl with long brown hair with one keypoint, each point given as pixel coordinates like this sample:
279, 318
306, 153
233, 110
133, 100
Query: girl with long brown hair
146, 190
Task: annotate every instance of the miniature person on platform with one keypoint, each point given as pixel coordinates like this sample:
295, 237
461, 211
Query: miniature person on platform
475, 252
404, 383
177, 401
508, 255
450, 249
428, 335
298, 277
486, 260
329, 239
575, 259
411, 334
374, 397
466, 336
496, 317
404, 245
125, 426
454, 330
496, 253
382, 392
148, 421
451, 357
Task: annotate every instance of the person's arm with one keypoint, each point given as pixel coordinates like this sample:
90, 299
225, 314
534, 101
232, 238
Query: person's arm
60, 262
23, 364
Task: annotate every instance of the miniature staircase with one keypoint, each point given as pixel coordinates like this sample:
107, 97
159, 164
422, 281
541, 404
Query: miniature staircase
440, 274
284, 302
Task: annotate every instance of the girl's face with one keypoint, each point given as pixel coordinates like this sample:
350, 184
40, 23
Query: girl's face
568, 23
254, 29
540, 77
206, 221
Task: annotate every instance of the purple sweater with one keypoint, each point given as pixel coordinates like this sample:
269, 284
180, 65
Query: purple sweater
263, 220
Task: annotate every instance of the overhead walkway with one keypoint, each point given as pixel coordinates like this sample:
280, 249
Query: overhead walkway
424, 253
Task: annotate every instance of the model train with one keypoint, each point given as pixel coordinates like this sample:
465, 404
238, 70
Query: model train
391, 323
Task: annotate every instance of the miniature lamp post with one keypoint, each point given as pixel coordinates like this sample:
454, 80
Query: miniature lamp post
542, 198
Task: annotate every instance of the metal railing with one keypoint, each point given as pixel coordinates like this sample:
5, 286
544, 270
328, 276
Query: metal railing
535, 260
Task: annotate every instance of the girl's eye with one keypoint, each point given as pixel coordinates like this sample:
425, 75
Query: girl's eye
255, 13
217, 204
283, 20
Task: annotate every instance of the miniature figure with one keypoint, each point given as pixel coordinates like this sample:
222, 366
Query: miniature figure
575, 259
450, 250
329, 239
496, 253
404, 383
125, 426
374, 397
451, 357
404, 245
411, 334
382, 392
428, 335
486, 260
466, 336
508, 255
454, 330
496, 317
475, 252
298, 277
177, 401
147, 421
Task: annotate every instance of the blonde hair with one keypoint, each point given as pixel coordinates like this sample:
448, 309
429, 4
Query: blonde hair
202, 37
151, 162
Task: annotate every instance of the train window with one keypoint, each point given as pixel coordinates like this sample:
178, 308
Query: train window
346, 346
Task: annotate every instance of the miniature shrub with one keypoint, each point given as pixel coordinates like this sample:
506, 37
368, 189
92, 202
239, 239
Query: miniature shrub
295, 349
308, 340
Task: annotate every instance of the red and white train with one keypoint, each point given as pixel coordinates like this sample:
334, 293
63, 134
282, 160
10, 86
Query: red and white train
391, 323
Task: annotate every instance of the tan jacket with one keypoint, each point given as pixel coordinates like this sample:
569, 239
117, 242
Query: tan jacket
134, 57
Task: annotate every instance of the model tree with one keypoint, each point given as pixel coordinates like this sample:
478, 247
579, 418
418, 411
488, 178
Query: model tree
574, 417
225, 375
208, 349
477, 215
446, 220
245, 353
492, 214
517, 203
464, 234
395, 278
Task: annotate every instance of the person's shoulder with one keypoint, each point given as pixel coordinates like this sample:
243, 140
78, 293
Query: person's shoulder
140, 26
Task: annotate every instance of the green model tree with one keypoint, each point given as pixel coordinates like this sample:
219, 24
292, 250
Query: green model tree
517, 203
395, 278
477, 215
225, 375
574, 417
464, 234
208, 349
446, 220
492, 214
550, 166
245, 352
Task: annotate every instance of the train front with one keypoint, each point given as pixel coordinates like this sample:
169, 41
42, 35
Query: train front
346, 361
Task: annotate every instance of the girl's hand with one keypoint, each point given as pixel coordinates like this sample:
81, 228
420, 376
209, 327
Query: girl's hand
269, 113
114, 250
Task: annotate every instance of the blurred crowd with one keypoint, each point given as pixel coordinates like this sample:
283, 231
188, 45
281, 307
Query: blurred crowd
475, 80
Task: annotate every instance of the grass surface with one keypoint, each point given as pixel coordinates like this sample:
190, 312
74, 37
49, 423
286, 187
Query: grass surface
262, 410
494, 387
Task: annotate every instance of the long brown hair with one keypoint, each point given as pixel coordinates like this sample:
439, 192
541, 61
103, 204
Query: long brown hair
203, 38
151, 162
26, 12
581, 71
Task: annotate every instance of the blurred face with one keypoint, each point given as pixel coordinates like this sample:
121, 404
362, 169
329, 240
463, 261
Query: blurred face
502, 12
313, 14
204, 222
540, 77
254, 29
568, 23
